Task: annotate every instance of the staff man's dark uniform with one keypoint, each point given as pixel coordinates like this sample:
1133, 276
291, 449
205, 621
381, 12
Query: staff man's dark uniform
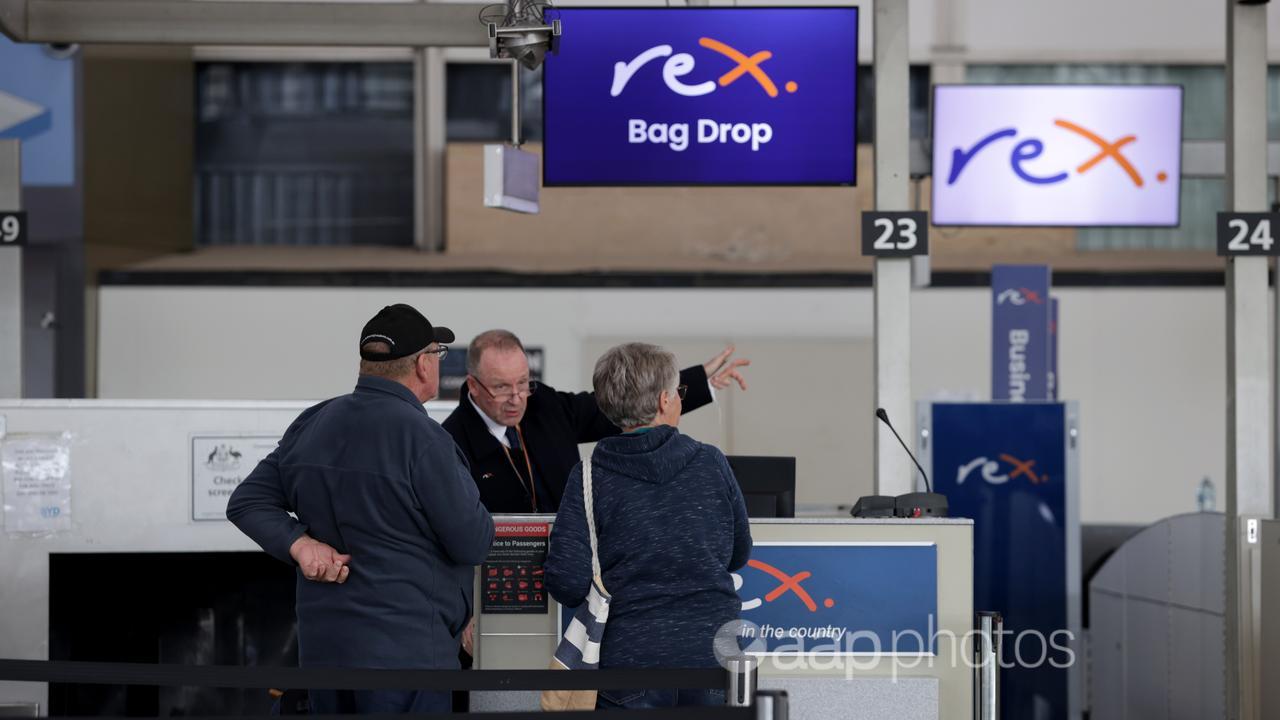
553, 426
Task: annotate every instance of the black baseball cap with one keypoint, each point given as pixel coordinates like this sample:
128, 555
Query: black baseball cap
403, 328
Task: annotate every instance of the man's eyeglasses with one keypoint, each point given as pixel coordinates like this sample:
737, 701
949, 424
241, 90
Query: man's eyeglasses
504, 391
682, 390
439, 352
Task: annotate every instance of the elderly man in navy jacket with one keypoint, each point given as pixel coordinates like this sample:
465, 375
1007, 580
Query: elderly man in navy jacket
388, 524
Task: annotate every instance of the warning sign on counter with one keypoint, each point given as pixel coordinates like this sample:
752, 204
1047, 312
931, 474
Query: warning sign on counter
511, 578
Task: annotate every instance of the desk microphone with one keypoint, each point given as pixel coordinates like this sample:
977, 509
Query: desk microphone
884, 418
910, 505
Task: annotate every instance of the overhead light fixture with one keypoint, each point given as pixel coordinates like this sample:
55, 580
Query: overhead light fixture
519, 30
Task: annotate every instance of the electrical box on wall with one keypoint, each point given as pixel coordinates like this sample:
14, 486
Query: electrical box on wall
511, 179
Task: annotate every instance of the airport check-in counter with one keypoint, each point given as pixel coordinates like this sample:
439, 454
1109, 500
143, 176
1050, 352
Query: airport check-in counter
853, 617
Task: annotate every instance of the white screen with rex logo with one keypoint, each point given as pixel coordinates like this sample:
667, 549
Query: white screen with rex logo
1056, 155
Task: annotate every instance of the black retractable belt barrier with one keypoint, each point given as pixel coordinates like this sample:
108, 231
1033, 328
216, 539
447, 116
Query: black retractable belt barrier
712, 712
231, 676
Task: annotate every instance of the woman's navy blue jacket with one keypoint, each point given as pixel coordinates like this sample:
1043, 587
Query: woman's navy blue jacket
672, 525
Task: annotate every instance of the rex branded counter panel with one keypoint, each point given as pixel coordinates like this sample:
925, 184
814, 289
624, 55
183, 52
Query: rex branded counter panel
884, 602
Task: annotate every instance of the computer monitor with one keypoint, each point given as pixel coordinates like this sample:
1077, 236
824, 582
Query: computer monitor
768, 484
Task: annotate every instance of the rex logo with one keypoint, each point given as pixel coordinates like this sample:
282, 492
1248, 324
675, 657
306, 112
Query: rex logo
787, 584
1030, 148
678, 65
994, 474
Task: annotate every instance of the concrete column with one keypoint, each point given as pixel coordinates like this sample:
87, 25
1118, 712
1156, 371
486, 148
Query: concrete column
894, 470
1249, 361
10, 276
429, 148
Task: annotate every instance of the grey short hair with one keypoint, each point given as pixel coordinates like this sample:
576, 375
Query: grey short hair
389, 369
628, 379
496, 339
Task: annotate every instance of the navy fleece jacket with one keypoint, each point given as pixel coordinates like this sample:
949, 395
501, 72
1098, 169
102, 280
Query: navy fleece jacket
672, 525
370, 474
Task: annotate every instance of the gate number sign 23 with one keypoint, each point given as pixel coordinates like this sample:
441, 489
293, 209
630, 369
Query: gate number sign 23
1248, 233
895, 234
13, 228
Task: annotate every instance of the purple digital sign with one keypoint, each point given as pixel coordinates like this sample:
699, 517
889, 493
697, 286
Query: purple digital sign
702, 96
1057, 155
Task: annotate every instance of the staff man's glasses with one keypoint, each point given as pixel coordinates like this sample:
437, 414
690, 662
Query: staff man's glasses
507, 392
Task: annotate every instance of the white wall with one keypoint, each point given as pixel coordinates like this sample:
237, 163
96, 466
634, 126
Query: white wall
1147, 365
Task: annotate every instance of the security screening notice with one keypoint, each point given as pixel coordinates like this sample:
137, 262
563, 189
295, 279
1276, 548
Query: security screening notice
37, 483
219, 463
511, 578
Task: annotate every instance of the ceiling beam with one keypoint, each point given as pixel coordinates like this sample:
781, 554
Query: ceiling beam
218, 22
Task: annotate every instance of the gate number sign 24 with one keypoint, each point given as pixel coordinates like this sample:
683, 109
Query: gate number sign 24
895, 234
1248, 233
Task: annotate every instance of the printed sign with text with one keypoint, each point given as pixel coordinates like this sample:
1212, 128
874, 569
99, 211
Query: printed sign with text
511, 578
219, 463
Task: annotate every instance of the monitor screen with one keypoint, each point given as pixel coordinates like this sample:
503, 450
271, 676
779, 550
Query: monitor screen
1057, 155
701, 96
768, 484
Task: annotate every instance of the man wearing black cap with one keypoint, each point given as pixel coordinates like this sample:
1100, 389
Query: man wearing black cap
388, 526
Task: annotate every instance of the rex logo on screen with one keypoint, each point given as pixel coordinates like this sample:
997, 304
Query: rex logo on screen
679, 65
1029, 148
1057, 155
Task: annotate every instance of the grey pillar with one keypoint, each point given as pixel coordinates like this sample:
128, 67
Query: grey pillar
893, 468
429, 148
948, 68
1249, 395
10, 276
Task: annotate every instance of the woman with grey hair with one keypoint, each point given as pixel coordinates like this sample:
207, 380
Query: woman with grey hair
671, 524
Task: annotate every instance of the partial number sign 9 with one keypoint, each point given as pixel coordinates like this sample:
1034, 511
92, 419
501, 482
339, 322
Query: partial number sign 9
1248, 233
13, 228
895, 234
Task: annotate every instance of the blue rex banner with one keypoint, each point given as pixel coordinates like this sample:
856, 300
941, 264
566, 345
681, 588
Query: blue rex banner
1020, 342
838, 598
702, 96
842, 598
1005, 466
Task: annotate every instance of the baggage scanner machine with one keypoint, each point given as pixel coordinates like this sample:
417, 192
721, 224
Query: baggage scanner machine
867, 618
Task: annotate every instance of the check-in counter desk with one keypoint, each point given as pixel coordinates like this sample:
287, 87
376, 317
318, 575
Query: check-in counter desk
854, 618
